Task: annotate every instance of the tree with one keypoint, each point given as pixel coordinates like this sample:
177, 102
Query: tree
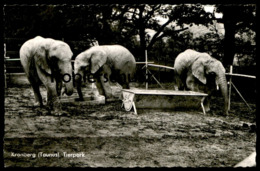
235, 18
143, 16
121, 24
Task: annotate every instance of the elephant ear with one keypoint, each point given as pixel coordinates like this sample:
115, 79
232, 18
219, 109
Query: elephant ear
198, 71
98, 59
41, 59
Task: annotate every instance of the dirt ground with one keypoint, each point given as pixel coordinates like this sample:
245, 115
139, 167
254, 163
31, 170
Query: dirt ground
108, 136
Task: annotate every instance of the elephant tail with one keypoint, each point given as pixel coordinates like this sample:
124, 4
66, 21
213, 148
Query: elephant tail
130, 71
26, 58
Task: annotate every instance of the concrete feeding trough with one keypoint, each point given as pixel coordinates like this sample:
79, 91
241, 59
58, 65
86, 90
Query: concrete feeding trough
16, 79
140, 99
91, 96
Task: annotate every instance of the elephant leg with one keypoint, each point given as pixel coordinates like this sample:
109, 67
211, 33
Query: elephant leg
108, 90
37, 95
104, 87
78, 84
36, 90
52, 97
79, 93
100, 87
194, 85
53, 101
178, 79
190, 84
206, 103
124, 81
105, 81
59, 87
125, 86
207, 100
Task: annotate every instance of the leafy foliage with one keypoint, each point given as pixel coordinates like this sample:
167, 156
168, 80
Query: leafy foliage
128, 25
236, 18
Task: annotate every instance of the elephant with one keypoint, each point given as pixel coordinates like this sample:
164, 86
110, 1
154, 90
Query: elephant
102, 63
47, 61
200, 72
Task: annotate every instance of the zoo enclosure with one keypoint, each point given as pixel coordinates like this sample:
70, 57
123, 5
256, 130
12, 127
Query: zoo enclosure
13, 67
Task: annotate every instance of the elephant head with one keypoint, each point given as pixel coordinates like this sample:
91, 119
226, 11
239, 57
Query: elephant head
207, 69
53, 57
87, 62
90, 61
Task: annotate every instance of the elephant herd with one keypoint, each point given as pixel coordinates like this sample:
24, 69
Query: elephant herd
47, 61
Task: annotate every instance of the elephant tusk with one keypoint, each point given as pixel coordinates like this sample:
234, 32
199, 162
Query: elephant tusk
63, 91
217, 87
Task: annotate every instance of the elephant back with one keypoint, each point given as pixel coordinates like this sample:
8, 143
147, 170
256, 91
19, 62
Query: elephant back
185, 59
119, 56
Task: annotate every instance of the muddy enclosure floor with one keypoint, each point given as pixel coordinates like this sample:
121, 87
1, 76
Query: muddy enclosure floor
108, 136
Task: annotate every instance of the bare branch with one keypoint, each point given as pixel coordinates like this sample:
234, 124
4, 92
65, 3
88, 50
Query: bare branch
157, 36
150, 13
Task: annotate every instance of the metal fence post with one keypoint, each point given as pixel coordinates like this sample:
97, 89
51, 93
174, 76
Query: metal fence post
146, 70
230, 85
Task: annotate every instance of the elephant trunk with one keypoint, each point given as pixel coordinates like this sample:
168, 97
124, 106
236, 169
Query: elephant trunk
69, 88
222, 82
67, 78
78, 81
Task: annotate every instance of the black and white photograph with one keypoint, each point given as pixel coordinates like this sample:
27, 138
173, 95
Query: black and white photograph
121, 84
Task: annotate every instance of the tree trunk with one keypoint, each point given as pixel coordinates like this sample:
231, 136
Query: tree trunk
142, 33
229, 41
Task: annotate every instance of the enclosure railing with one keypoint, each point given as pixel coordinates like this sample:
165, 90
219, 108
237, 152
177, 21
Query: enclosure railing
147, 71
231, 74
